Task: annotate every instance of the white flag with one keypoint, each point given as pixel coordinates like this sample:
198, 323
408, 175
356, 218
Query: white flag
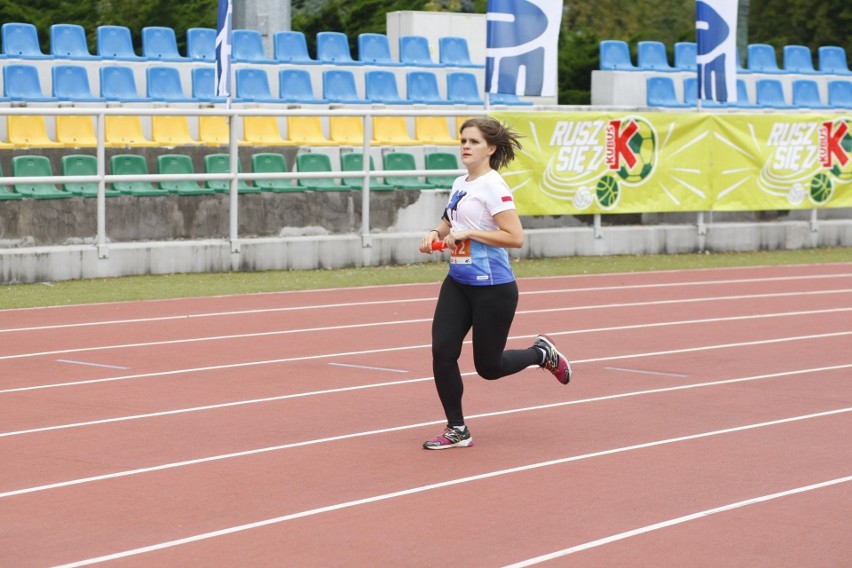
716, 36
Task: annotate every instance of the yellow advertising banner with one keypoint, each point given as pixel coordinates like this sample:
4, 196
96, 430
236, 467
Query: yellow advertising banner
588, 162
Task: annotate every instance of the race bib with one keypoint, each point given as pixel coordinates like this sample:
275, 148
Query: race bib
461, 253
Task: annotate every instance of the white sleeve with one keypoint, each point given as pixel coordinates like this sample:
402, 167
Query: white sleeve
499, 198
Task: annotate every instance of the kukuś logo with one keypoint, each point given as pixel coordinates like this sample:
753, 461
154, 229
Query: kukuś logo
835, 148
631, 149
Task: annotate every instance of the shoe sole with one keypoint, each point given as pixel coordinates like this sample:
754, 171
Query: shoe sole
463, 444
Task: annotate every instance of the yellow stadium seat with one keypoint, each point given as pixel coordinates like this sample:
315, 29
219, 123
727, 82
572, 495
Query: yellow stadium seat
347, 130
124, 131
306, 131
171, 131
392, 131
28, 132
433, 130
213, 130
76, 131
263, 131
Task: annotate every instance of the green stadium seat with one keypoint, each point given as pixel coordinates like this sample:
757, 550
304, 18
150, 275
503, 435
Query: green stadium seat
179, 164
132, 165
441, 161
401, 161
83, 165
272, 163
5, 194
31, 166
317, 163
354, 162
221, 164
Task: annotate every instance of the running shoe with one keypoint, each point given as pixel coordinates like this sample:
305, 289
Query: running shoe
554, 361
451, 438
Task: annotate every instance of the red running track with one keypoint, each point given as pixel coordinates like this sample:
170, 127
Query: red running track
707, 425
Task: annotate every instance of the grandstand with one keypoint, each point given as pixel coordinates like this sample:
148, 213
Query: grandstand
141, 147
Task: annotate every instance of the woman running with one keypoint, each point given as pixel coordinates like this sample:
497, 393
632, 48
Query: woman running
480, 292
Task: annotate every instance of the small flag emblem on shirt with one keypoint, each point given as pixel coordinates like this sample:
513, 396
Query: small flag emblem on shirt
506, 198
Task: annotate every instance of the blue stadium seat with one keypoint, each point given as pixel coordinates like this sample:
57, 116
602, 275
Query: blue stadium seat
690, 95
71, 83
615, 56
798, 59
652, 56
247, 47
414, 50
253, 86
762, 59
770, 94
806, 94
69, 41
295, 86
380, 87
374, 49
291, 47
21, 41
453, 51
338, 86
743, 100
201, 44
832, 59
507, 99
685, 55
163, 84
119, 84
21, 83
660, 92
204, 85
422, 87
114, 42
840, 94
160, 43
333, 47
462, 89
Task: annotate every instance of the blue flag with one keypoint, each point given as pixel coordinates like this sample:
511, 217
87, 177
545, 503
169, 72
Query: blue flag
223, 48
716, 36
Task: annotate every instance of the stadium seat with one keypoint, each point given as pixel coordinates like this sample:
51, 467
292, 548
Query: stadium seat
392, 131
338, 86
204, 85
114, 42
441, 161
770, 94
685, 56
170, 130
402, 161
213, 130
291, 47
832, 60
354, 162
798, 59
221, 164
160, 43
652, 56
253, 86
164, 85
6, 194
380, 87
295, 86
247, 47
21, 41
71, 83
272, 163
615, 56
762, 59
312, 163
25, 131
21, 83
178, 164
125, 131
263, 131
462, 89
690, 95
306, 131
806, 94
75, 131
433, 130
743, 100
346, 130
453, 51
840, 94
414, 50
119, 84
422, 88
69, 41
201, 44
660, 92
509, 99
333, 48
132, 165
36, 166
83, 165
374, 49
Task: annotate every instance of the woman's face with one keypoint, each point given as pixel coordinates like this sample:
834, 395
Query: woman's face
474, 149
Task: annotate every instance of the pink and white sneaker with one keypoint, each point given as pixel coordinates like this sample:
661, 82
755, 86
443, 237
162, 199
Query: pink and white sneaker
451, 438
554, 361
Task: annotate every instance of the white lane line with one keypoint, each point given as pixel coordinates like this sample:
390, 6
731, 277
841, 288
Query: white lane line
369, 368
642, 372
69, 361
441, 485
422, 299
678, 520
281, 447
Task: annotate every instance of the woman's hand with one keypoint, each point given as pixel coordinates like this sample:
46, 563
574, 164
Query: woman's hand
427, 240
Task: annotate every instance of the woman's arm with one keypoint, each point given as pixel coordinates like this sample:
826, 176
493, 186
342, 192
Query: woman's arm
509, 235
439, 233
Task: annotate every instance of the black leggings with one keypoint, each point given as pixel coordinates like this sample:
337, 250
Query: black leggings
489, 310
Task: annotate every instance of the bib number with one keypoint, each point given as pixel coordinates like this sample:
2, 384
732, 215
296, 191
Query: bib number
461, 253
